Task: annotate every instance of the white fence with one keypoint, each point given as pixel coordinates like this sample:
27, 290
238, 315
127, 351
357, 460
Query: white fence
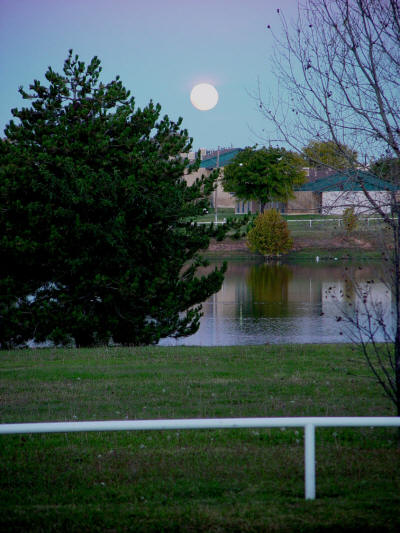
209, 222
309, 221
339, 221
306, 221
309, 424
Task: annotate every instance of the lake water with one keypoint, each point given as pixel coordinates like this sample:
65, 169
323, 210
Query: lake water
263, 303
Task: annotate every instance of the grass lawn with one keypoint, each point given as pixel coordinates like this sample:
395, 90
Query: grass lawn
195, 480
222, 212
315, 226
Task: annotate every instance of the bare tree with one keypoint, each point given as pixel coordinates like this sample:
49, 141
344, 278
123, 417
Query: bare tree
338, 74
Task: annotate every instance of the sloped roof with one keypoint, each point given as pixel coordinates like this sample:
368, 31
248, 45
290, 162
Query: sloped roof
348, 180
224, 158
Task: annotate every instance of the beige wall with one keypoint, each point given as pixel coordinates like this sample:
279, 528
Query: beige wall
193, 176
224, 199
304, 202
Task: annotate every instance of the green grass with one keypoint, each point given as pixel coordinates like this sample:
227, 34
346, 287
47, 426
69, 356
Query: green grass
308, 216
332, 254
221, 213
226, 480
321, 225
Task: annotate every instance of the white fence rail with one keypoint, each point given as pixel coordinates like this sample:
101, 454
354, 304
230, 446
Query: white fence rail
306, 221
209, 222
339, 221
309, 221
309, 424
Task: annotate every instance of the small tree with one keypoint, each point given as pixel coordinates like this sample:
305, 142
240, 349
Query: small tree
350, 219
265, 175
270, 234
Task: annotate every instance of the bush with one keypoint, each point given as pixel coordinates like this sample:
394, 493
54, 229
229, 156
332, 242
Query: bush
349, 219
270, 234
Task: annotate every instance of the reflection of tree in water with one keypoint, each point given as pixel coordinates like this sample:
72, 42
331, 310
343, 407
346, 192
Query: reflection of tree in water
268, 284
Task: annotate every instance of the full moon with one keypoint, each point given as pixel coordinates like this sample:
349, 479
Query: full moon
204, 96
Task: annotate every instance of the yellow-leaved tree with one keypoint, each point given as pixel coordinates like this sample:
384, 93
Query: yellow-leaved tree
270, 234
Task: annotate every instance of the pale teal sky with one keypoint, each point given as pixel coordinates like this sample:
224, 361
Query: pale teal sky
159, 48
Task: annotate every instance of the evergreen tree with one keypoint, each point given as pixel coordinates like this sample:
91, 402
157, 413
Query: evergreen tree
96, 237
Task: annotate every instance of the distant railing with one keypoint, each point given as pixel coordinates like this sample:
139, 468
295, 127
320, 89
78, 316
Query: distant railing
209, 222
306, 221
309, 424
309, 221
338, 221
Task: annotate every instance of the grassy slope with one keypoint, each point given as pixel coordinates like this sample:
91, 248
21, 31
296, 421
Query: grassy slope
328, 244
227, 480
325, 238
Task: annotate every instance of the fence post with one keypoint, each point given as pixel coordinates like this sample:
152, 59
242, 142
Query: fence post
309, 461
310, 222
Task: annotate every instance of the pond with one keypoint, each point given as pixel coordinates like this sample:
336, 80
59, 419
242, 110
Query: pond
261, 303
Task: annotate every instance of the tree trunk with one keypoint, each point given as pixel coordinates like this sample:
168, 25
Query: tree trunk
396, 265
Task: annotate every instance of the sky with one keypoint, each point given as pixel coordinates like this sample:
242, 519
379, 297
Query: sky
159, 48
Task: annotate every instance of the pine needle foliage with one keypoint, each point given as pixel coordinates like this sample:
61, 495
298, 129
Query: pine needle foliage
96, 239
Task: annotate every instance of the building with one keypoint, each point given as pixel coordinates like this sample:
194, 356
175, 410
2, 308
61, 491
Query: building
210, 161
325, 191
336, 192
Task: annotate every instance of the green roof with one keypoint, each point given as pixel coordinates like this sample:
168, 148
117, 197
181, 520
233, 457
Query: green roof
224, 159
348, 180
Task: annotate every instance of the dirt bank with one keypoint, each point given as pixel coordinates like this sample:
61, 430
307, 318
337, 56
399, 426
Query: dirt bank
322, 242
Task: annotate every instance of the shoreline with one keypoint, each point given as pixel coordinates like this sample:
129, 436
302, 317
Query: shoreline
305, 248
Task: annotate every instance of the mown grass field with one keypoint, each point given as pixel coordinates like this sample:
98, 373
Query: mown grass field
300, 222
196, 480
319, 235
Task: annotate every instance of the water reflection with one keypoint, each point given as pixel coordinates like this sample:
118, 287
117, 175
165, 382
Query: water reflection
271, 303
269, 288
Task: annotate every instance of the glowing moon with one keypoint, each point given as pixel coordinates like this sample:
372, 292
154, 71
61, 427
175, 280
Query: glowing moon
204, 96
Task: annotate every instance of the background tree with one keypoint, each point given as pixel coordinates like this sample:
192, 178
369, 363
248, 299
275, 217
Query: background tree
264, 175
350, 220
329, 154
96, 238
338, 70
269, 235
387, 169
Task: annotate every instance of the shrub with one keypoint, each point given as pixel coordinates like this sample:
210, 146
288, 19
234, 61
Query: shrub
270, 234
349, 219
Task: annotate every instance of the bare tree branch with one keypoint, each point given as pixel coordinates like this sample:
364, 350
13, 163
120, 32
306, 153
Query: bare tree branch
337, 70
